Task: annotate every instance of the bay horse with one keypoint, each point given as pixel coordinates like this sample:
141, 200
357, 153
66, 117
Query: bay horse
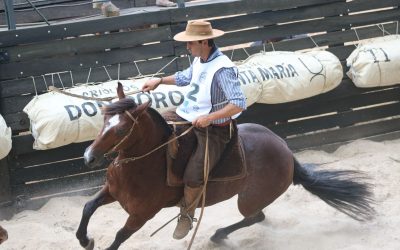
3, 235
140, 185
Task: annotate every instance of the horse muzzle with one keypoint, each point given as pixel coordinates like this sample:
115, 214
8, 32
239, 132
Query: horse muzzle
92, 159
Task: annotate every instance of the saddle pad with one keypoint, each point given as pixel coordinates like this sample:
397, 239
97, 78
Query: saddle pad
230, 167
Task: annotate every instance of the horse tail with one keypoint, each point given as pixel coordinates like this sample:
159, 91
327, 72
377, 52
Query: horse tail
347, 191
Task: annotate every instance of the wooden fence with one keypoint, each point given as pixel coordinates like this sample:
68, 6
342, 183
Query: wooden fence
58, 10
144, 38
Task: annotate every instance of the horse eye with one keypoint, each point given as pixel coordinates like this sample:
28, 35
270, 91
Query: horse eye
121, 131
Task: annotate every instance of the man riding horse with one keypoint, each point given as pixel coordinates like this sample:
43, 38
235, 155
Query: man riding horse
214, 100
136, 178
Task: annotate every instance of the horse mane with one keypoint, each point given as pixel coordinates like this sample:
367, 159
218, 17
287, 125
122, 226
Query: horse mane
128, 103
119, 106
157, 117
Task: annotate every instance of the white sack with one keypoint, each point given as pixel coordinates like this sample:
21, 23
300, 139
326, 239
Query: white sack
275, 77
58, 119
5, 138
375, 62
289, 76
251, 89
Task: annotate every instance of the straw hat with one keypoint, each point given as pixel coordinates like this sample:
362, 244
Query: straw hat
196, 31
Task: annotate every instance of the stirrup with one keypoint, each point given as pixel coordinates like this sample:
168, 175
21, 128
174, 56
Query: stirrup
191, 219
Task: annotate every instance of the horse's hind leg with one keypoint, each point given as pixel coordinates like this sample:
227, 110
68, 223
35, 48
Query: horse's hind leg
102, 197
223, 233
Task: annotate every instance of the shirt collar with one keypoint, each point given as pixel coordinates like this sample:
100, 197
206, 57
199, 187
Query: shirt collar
215, 52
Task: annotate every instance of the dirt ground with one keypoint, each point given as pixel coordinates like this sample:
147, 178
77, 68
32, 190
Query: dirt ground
296, 221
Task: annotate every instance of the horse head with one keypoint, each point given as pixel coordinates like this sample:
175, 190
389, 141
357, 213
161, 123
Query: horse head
121, 121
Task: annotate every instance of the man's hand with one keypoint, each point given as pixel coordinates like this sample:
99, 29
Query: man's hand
151, 84
202, 121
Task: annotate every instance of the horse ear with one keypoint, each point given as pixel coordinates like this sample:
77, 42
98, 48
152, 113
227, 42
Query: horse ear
120, 91
142, 107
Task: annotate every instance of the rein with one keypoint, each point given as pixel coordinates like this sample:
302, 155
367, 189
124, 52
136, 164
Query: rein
105, 99
202, 194
134, 158
203, 191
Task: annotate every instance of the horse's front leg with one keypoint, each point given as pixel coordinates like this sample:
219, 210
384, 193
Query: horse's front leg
133, 223
102, 197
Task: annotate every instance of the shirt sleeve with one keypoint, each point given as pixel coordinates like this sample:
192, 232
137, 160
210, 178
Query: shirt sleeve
230, 85
183, 78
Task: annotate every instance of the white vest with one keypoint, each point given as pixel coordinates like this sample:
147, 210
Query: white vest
197, 101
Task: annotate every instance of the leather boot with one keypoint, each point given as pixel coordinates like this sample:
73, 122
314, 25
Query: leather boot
186, 217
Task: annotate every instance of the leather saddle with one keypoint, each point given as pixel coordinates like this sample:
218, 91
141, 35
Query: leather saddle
231, 166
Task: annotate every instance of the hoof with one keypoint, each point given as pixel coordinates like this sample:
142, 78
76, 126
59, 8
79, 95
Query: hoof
260, 217
219, 236
90, 245
3, 235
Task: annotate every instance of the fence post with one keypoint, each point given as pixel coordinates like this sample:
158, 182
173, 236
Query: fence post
10, 14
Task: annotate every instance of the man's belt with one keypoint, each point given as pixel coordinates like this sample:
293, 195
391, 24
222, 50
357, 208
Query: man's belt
224, 124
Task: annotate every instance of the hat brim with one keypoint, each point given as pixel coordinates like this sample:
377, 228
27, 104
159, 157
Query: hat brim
183, 37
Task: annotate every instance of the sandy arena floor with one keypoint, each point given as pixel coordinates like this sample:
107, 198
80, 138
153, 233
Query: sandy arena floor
296, 221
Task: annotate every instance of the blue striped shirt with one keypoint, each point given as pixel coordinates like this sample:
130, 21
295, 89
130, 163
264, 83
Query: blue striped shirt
225, 86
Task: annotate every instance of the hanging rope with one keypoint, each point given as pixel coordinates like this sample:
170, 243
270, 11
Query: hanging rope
44, 80
140, 75
248, 55
52, 79
119, 68
105, 99
37, 11
109, 77
272, 45
137, 68
59, 77
358, 38
55, 89
383, 29
312, 39
87, 79
57, 5
164, 66
72, 79
34, 85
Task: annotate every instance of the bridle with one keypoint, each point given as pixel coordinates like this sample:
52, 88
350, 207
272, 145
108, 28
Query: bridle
111, 152
109, 155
